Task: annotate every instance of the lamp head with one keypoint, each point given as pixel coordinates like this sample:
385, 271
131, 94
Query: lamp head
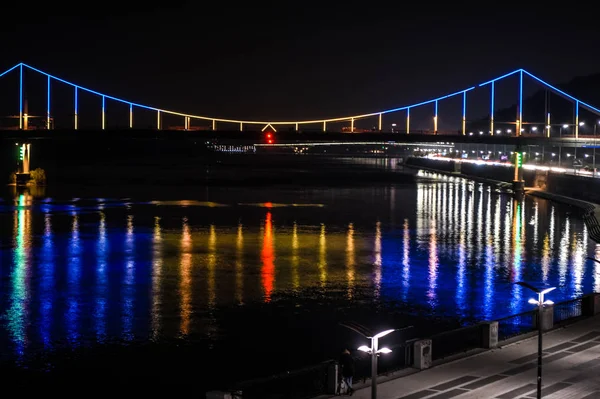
384, 350
364, 348
547, 290
384, 333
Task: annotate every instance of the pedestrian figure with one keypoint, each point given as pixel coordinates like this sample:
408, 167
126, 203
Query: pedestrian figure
347, 365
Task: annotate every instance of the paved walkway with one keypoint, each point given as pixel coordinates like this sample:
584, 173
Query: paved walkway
571, 370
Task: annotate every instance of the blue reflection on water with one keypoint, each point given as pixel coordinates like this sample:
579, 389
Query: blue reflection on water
73, 280
47, 264
129, 281
101, 301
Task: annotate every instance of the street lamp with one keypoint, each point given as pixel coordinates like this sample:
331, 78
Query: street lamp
374, 351
540, 302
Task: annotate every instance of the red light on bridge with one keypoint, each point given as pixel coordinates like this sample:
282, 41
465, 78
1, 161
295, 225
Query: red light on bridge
270, 141
268, 135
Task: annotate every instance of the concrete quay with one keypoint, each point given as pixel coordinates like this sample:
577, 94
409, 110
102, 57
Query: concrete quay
571, 370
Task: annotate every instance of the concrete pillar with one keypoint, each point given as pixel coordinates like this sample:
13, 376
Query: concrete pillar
489, 332
547, 318
590, 305
26, 158
332, 379
422, 350
457, 166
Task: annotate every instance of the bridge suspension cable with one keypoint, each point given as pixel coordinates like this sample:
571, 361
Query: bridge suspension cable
352, 118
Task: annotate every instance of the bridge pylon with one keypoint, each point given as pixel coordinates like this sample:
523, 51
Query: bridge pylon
518, 182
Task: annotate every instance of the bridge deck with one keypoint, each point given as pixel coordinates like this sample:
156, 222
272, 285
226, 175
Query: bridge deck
287, 137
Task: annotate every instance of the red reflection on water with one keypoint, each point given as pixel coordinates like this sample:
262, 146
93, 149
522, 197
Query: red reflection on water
267, 256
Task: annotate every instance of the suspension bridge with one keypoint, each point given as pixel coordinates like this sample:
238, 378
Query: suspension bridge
569, 130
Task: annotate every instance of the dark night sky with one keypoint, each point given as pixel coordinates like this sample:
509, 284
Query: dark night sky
286, 60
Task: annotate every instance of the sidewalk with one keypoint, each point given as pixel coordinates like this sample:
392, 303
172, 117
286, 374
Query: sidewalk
571, 370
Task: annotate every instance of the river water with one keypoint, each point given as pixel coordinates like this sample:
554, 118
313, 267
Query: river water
234, 283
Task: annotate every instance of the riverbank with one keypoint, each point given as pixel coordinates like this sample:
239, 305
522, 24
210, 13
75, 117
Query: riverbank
508, 371
214, 170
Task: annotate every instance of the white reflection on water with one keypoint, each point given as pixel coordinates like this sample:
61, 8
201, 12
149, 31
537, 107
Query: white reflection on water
377, 260
157, 266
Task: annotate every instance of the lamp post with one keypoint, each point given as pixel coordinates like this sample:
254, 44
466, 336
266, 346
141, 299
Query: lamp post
540, 302
374, 351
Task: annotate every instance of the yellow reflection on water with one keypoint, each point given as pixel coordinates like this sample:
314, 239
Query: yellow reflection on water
295, 258
350, 260
185, 285
157, 265
322, 256
239, 265
212, 264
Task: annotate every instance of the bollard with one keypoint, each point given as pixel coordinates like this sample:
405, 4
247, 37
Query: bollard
590, 305
489, 331
332, 379
422, 350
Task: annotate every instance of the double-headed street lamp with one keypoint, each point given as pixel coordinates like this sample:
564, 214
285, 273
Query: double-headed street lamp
374, 351
540, 302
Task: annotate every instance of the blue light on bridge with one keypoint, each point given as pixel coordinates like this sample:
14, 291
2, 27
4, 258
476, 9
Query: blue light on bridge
339, 119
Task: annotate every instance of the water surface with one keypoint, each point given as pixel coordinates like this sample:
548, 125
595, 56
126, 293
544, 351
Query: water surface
263, 276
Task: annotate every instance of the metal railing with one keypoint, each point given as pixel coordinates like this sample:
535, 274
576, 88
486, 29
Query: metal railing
316, 380
297, 384
564, 311
517, 324
456, 341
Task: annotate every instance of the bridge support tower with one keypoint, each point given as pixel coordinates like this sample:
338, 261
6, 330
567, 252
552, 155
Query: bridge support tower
518, 182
